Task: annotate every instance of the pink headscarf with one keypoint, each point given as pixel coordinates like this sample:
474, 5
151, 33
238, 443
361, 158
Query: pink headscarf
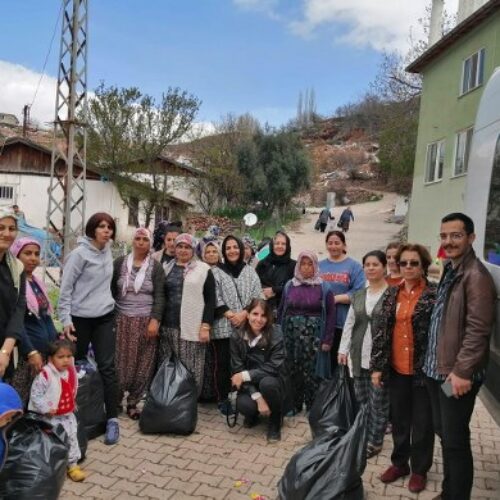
185, 238
143, 231
298, 279
31, 301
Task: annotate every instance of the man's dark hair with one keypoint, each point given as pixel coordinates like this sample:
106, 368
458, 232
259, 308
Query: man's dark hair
467, 221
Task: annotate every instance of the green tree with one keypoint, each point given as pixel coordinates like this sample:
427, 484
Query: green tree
275, 166
216, 156
128, 131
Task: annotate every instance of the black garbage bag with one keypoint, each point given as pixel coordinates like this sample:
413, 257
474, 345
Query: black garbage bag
334, 405
90, 411
329, 467
171, 405
35, 468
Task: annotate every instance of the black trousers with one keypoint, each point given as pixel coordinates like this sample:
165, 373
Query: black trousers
411, 418
451, 422
337, 336
270, 388
101, 334
322, 226
222, 368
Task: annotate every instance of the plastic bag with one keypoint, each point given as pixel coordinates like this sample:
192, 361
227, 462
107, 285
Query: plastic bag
317, 225
329, 467
172, 402
90, 411
334, 404
35, 468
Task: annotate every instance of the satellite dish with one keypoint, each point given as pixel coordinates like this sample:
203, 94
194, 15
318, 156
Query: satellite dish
250, 219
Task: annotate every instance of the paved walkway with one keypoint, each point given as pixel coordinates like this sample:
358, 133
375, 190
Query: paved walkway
208, 464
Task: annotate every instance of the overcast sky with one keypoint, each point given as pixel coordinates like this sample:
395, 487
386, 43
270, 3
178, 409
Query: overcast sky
235, 55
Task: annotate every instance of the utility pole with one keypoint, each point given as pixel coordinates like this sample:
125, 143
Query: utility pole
67, 197
26, 119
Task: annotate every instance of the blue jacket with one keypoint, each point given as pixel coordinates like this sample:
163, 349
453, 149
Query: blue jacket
10, 403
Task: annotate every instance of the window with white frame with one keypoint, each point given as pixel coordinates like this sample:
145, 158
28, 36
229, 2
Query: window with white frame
473, 70
6, 193
462, 149
434, 163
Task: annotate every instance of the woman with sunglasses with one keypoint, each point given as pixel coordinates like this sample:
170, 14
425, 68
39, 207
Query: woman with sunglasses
400, 333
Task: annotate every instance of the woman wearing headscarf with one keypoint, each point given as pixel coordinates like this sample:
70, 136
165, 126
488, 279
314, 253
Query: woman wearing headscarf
39, 330
237, 284
307, 316
189, 308
12, 293
137, 287
211, 254
276, 269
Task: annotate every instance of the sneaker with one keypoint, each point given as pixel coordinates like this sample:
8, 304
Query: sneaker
226, 408
417, 483
76, 474
249, 422
112, 432
393, 473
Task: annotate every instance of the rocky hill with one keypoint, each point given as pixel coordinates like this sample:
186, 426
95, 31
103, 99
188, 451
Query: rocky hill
344, 161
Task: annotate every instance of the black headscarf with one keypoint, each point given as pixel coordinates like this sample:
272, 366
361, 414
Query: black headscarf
280, 259
234, 269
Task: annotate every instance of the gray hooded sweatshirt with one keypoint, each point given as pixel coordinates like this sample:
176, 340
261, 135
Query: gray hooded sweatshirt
86, 283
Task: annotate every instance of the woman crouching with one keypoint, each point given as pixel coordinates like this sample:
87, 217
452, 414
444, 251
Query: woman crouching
258, 367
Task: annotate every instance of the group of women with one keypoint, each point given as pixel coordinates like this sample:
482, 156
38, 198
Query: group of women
272, 332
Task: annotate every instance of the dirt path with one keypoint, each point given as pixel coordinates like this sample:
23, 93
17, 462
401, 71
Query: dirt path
368, 231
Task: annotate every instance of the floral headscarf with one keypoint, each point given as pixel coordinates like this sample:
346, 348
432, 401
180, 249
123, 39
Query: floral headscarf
298, 279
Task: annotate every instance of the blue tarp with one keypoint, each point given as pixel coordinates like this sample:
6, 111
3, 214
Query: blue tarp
51, 252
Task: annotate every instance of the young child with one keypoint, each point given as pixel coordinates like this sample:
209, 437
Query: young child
53, 394
11, 408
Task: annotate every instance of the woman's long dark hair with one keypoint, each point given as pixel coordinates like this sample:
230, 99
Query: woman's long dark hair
268, 313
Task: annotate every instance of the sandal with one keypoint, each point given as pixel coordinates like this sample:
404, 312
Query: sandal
133, 412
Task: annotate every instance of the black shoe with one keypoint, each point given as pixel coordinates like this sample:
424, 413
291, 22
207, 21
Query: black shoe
249, 422
274, 430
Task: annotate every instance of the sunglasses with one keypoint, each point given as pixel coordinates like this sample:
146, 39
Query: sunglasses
411, 263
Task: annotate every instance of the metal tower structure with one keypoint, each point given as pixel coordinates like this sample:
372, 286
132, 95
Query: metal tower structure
66, 208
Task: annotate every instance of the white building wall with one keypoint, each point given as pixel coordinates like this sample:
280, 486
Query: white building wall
30, 193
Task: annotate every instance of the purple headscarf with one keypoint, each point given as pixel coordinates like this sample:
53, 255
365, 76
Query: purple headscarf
298, 279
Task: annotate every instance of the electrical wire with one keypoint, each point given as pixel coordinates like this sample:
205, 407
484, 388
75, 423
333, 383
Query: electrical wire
48, 54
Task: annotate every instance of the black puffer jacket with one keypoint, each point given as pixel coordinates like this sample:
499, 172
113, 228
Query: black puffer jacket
261, 361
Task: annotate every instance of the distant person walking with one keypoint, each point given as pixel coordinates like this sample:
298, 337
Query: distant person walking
458, 347
324, 217
345, 219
